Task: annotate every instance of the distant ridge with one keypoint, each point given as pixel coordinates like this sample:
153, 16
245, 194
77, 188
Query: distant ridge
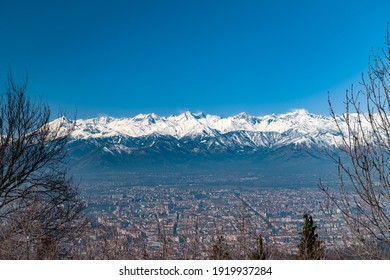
272, 146
298, 127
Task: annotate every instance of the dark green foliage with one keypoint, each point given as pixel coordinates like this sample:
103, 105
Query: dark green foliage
309, 248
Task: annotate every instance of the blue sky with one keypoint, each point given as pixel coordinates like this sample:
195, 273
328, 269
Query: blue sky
121, 58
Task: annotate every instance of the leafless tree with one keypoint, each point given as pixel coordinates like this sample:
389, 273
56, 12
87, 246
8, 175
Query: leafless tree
363, 197
193, 235
39, 203
220, 249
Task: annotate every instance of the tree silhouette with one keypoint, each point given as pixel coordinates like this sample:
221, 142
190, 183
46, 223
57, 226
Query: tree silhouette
39, 204
363, 197
259, 253
220, 249
309, 248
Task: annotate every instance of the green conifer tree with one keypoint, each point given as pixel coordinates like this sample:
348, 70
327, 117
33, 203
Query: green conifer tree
309, 248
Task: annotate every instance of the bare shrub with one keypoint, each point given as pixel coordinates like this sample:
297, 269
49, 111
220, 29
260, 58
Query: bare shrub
40, 209
363, 197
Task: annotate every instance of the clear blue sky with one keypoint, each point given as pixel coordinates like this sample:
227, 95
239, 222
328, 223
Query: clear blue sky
121, 58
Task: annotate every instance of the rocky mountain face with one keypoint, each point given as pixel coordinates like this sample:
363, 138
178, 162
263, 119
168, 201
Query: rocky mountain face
298, 127
279, 143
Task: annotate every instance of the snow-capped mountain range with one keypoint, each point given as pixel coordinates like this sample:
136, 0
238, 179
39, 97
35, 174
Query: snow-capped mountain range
270, 147
297, 127
277, 143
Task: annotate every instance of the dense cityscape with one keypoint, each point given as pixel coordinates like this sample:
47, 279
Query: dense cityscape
175, 212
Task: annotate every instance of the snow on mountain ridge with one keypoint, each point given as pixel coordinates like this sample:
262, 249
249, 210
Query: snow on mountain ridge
297, 127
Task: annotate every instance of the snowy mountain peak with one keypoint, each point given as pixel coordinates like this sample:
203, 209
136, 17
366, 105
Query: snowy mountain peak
146, 117
188, 115
297, 127
199, 115
242, 115
298, 112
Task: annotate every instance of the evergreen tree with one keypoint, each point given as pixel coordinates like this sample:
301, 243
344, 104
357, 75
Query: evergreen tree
309, 248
